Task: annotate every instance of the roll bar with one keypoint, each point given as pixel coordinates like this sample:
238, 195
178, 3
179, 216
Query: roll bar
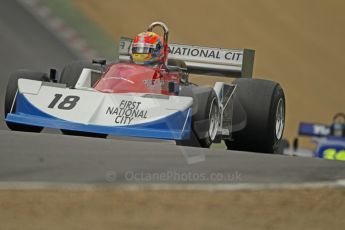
163, 27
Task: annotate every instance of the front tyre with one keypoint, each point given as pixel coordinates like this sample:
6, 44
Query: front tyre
71, 72
213, 122
205, 120
10, 97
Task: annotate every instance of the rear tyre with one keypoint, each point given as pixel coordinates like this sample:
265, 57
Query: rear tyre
205, 121
284, 144
69, 76
259, 116
11, 91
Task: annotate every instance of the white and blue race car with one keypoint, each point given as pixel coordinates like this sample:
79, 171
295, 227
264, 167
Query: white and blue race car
126, 99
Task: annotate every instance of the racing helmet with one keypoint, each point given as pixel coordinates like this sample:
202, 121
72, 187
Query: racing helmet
338, 126
148, 49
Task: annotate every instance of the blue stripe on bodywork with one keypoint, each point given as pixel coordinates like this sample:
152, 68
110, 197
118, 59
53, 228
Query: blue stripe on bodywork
176, 126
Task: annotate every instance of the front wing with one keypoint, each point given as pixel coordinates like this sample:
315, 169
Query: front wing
53, 105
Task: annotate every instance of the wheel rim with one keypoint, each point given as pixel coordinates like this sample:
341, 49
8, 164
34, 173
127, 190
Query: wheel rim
214, 120
280, 119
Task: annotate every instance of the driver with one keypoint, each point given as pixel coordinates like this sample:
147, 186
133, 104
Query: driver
338, 126
148, 49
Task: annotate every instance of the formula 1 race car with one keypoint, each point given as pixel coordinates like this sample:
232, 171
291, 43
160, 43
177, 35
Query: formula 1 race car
329, 140
127, 99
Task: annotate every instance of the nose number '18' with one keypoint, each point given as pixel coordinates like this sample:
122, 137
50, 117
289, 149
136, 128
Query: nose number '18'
68, 103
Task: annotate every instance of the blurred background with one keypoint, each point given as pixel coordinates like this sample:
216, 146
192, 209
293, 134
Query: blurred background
299, 44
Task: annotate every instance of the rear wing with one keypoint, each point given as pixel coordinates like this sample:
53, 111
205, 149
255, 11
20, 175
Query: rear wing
204, 60
314, 130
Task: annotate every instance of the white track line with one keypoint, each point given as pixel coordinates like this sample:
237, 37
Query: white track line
339, 184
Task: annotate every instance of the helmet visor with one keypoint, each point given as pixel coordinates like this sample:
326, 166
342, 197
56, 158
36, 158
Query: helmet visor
142, 48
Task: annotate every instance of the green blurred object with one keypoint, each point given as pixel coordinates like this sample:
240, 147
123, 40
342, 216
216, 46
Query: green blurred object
219, 146
95, 36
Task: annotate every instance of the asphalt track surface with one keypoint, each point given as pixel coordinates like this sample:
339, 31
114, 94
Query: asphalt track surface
28, 157
56, 158
26, 44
